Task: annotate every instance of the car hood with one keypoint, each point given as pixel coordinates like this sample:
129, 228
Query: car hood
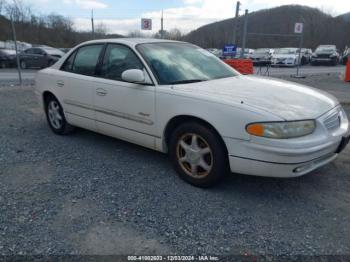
285, 56
286, 100
324, 53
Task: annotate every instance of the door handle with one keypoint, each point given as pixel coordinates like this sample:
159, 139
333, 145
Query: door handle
60, 83
101, 92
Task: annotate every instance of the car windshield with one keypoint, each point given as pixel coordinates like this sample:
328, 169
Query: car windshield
180, 63
327, 49
286, 51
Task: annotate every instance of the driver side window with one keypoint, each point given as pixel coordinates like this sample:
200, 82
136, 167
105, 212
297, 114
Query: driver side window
119, 58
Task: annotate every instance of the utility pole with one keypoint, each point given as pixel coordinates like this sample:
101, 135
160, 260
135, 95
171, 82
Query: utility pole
244, 41
17, 56
162, 26
92, 24
236, 22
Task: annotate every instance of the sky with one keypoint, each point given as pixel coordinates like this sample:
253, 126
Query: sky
123, 16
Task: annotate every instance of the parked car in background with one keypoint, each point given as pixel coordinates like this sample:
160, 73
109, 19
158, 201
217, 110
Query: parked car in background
345, 56
247, 53
7, 58
65, 50
262, 56
216, 52
285, 57
306, 54
325, 54
177, 98
39, 57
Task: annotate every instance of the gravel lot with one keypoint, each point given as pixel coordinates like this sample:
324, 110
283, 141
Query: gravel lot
91, 194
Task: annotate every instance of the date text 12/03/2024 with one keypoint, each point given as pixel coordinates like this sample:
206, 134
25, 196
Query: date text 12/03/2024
173, 258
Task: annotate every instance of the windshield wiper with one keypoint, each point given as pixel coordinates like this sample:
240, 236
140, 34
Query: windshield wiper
187, 81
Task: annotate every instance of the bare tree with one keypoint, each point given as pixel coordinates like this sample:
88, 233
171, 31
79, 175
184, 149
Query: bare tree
136, 33
101, 29
2, 4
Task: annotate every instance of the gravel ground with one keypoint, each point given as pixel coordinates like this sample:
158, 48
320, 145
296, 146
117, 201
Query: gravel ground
332, 83
91, 194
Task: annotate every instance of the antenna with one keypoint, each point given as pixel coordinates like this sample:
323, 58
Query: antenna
92, 24
162, 26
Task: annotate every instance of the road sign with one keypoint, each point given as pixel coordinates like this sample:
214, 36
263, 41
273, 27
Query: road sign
229, 50
146, 24
299, 27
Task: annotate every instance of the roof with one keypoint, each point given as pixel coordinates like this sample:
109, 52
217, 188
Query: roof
132, 41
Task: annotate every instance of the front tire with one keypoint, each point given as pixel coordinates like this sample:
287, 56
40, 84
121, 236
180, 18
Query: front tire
23, 65
55, 117
198, 154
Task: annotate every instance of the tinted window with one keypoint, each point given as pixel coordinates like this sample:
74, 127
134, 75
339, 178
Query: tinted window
67, 66
38, 51
29, 51
86, 60
119, 58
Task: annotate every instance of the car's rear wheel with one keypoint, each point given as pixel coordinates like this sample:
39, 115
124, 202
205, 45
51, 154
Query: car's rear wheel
56, 118
198, 154
23, 65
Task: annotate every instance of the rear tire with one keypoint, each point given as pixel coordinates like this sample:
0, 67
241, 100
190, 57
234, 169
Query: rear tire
199, 156
55, 117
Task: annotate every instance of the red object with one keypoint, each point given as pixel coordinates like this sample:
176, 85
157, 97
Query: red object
244, 66
347, 71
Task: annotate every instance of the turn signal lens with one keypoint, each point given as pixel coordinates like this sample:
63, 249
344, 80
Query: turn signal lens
256, 129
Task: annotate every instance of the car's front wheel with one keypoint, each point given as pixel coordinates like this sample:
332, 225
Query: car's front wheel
198, 154
23, 65
56, 118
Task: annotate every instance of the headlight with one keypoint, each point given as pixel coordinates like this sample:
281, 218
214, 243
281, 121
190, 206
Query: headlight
282, 130
314, 55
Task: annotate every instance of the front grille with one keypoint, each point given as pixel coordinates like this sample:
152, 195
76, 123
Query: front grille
333, 121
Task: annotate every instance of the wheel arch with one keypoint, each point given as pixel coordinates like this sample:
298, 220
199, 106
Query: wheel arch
174, 122
46, 95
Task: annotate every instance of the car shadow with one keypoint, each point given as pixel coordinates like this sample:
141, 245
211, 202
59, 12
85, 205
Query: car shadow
231, 184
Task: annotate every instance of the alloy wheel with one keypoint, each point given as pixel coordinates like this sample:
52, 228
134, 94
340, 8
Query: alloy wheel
194, 155
54, 114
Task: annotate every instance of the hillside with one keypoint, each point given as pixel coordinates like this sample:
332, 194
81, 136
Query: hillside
320, 28
345, 16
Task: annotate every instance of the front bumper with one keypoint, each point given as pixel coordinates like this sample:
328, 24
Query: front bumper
323, 60
283, 62
289, 157
282, 170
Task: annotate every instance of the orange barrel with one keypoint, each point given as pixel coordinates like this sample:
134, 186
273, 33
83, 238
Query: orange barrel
347, 71
244, 66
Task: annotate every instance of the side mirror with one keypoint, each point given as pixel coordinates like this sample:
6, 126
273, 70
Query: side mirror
134, 76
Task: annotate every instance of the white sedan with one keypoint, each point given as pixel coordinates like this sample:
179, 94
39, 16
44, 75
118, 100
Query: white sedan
177, 98
285, 57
